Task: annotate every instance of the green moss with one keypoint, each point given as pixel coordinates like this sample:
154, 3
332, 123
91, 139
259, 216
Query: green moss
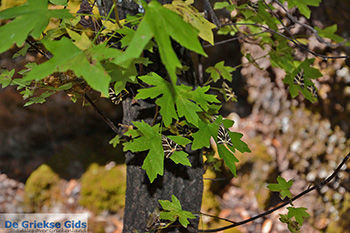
343, 224
103, 189
41, 188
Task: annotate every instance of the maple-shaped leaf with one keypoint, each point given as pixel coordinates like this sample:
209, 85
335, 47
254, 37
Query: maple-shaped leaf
150, 139
85, 63
220, 70
201, 138
191, 15
226, 146
303, 6
293, 226
298, 213
173, 210
237, 142
162, 24
29, 19
329, 32
167, 99
282, 187
115, 141
309, 73
187, 101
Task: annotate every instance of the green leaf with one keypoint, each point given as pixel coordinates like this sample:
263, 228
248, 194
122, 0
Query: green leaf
226, 153
220, 70
293, 226
150, 139
227, 30
39, 99
282, 187
85, 63
162, 24
173, 210
59, 2
64, 87
30, 19
187, 101
167, 99
180, 157
303, 5
182, 141
22, 51
205, 131
191, 15
6, 77
220, 5
237, 142
115, 141
82, 41
298, 213
309, 74
329, 32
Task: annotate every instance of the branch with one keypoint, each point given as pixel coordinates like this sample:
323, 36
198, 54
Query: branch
294, 20
104, 118
284, 203
296, 43
102, 115
34, 46
212, 14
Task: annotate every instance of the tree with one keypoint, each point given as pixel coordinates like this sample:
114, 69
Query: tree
145, 61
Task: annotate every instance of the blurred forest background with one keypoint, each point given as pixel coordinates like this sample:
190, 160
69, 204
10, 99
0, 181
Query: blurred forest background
56, 157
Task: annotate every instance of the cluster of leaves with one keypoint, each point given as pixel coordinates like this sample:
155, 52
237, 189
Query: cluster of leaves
295, 216
260, 21
80, 57
90, 60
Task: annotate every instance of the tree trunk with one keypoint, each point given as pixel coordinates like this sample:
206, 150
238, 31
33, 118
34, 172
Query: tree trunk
185, 183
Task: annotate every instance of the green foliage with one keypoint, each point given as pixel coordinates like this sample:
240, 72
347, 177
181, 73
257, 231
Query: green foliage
282, 187
162, 24
115, 141
149, 139
298, 213
303, 6
328, 32
309, 74
173, 211
294, 219
187, 102
59, 2
220, 70
191, 15
94, 62
6, 77
103, 189
29, 19
85, 63
207, 130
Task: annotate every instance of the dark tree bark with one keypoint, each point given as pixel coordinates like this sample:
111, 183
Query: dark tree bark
185, 183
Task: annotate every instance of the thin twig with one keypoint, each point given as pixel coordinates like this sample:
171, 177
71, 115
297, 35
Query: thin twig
213, 216
213, 16
284, 203
34, 46
104, 118
294, 20
301, 46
